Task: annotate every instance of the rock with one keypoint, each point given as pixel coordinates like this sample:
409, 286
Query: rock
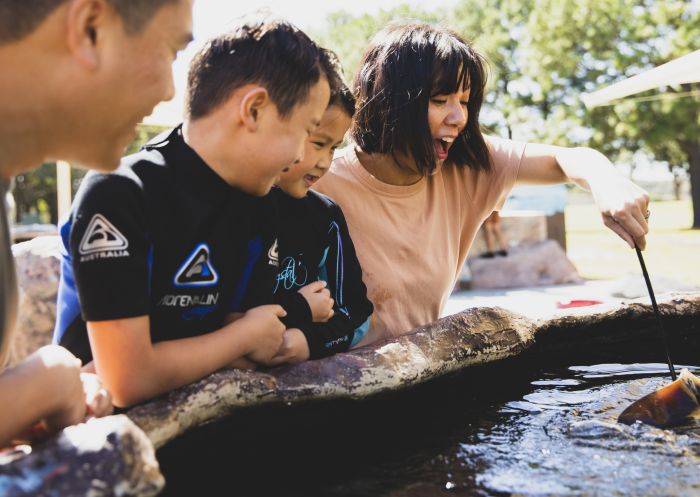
455, 343
536, 264
38, 273
518, 228
450, 344
101, 458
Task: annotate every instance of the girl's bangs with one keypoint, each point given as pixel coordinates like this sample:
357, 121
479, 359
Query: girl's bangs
451, 71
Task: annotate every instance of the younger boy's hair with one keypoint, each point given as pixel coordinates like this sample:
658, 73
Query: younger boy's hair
19, 18
272, 53
341, 95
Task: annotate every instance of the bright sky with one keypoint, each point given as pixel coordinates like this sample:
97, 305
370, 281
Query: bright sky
212, 17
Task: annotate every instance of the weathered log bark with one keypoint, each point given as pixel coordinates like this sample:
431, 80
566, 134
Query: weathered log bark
102, 458
472, 337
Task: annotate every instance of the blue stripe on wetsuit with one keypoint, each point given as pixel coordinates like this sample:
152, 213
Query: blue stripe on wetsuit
68, 307
255, 249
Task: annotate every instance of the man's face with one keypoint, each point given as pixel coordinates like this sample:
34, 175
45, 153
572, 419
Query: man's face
281, 141
136, 75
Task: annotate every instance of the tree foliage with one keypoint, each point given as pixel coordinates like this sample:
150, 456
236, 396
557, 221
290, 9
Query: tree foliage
36, 190
545, 53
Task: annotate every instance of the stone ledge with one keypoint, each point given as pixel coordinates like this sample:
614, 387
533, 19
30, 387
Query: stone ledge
472, 337
103, 457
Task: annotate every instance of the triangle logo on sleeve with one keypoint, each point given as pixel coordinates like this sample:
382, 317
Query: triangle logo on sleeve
197, 270
102, 236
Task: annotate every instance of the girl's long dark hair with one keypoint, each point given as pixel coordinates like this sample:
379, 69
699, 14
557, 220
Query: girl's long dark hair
403, 67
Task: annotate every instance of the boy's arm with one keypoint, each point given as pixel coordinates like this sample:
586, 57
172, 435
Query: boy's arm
311, 304
135, 370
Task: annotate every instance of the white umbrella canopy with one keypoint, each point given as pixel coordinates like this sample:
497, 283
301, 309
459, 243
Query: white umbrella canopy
684, 69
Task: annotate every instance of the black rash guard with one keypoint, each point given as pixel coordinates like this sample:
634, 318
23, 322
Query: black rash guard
314, 244
163, 236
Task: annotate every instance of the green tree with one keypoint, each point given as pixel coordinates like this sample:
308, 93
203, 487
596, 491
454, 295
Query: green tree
580, 46
32, 187
35, 189
348, 36
545, 53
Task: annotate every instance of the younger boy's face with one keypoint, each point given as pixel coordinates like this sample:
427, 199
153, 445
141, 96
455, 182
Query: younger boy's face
318, 153
282, 140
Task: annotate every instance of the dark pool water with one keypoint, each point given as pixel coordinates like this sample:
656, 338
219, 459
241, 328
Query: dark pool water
493, 432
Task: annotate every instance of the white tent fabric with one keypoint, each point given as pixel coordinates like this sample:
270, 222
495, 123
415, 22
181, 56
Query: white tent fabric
684, 69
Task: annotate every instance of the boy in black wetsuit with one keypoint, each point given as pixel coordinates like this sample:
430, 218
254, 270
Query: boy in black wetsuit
316, 254
159, 253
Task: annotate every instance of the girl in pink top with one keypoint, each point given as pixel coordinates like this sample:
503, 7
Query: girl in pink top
420, 177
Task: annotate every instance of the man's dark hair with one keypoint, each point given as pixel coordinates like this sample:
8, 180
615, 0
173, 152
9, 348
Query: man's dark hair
402, 69
19, 18
341, 95
272, 53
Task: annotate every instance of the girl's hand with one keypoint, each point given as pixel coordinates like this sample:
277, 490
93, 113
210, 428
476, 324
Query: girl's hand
624, 207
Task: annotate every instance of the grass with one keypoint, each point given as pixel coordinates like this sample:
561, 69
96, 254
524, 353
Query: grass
673, 249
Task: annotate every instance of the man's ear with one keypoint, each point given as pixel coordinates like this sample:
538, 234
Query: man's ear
254, 102
85, 22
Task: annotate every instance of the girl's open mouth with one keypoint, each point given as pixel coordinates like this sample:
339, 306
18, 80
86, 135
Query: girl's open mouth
442, 147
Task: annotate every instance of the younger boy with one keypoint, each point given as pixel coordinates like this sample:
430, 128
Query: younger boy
316, 253
160, 252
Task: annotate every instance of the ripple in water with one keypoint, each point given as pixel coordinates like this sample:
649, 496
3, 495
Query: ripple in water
562, 439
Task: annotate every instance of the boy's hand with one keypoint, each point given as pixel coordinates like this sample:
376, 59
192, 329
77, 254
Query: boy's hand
294, 349
97, 399
319, 300
243, 363
264, 331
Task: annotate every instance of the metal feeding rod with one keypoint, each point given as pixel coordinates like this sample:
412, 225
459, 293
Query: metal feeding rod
671, 369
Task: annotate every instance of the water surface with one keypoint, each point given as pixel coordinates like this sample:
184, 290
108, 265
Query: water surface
492, 432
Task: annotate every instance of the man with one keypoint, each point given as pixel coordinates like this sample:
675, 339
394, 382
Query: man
78, 75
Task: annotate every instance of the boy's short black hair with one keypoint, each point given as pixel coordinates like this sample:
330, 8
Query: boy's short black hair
272, 53
19, 18
341, 95
405, 65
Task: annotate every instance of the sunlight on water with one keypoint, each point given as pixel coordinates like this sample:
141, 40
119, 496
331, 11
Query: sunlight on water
563, 439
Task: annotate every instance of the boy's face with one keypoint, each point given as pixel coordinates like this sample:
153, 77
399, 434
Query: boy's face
280, 142
318, 153
136, 75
